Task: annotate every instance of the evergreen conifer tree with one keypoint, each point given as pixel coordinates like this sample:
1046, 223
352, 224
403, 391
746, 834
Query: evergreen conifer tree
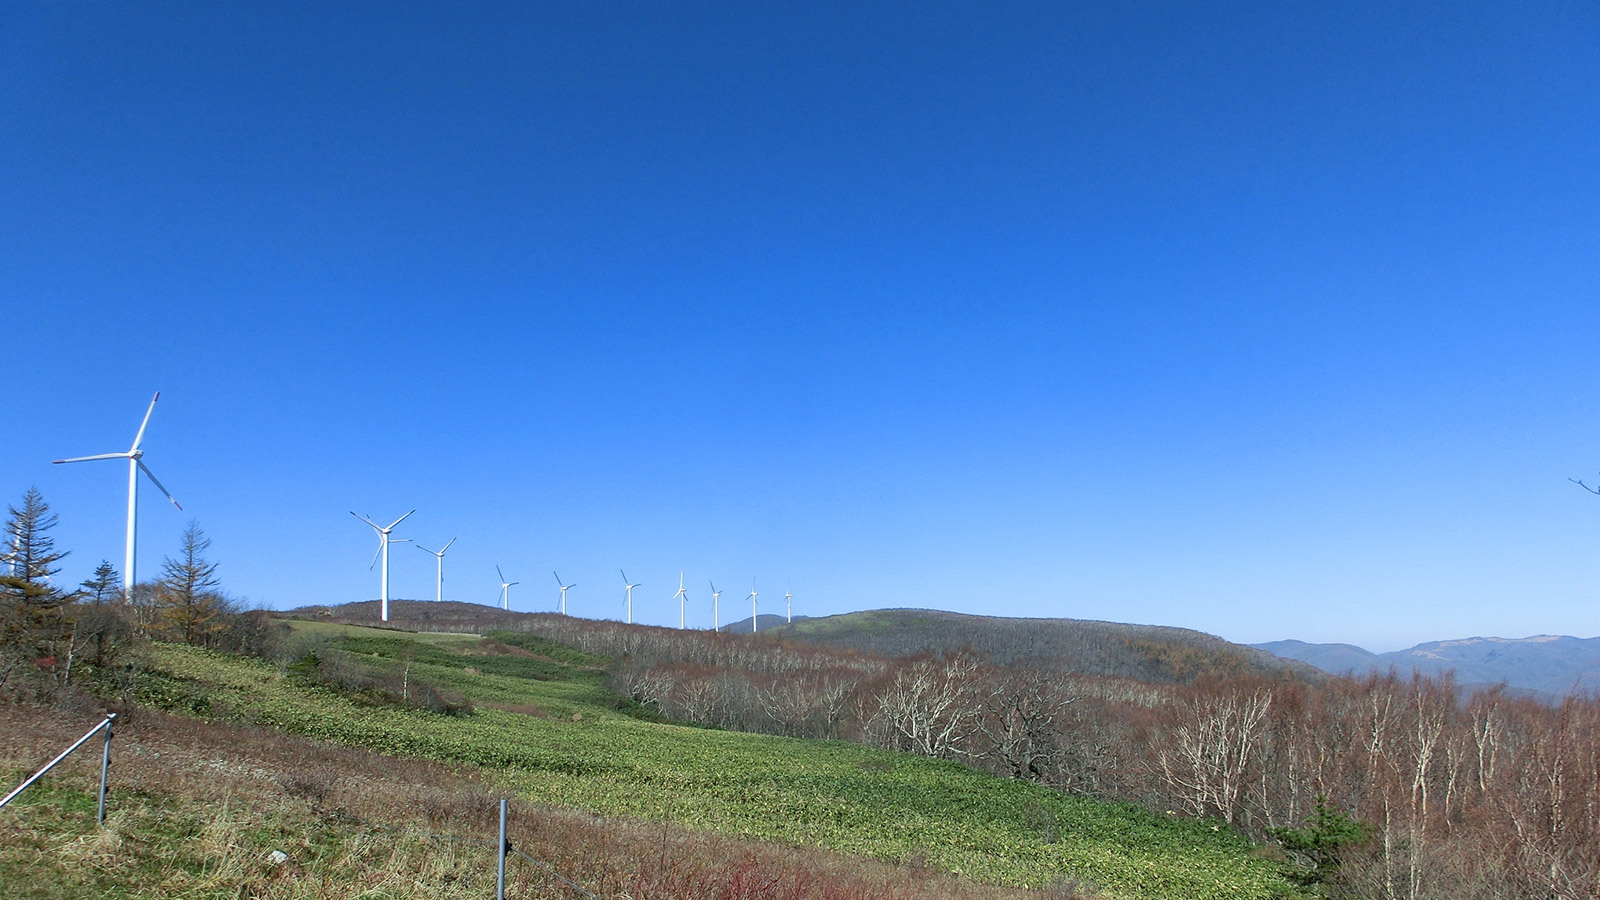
30, 555
104, 585
35, 620
187, 600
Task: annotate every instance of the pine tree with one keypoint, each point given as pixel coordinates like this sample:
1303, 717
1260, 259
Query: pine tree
35, 620
187, 599
30, 554
104, 585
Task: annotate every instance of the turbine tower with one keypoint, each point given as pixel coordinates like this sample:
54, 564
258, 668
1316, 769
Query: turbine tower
716, 607
563, 591
383, 550
753, 627
788, 608
680, 596
629, 588
505, 599
135, 466
439, 553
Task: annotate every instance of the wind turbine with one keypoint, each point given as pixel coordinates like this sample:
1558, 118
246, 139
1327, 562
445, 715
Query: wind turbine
788, 608
564, 591
383, 550
680, 596
439, 553
505, 600
753, 627
135, 466
629, 588
716, 608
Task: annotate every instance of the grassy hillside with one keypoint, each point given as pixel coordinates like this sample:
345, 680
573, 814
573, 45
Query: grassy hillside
544, 723
1147, 652
197, 809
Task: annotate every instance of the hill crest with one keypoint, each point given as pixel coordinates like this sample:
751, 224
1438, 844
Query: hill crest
1149, 652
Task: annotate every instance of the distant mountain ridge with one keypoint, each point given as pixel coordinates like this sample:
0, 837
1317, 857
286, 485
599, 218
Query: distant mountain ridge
1548, 664
1149, 652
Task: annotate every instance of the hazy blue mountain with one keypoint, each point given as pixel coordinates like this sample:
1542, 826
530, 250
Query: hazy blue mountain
1544, 663
1339, 659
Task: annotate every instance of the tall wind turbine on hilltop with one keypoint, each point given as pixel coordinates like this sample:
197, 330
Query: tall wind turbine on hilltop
680, 596
439, 553
505, 589
135, 466
788, 607
563, 591
383, 550
753, 625
716, 607
629, 588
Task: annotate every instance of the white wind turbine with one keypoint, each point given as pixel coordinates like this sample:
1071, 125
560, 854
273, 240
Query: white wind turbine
383, 550
439, 553
716, 607
563, 591
753, 627
135, 466
629, 588
788, 607
505, 589
680, 596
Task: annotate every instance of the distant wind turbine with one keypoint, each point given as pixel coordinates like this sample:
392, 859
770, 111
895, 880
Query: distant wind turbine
680, 596
716, 607
383, 550
505, 592
563, 592
135, 466
753, 627
629, 588
788, 607
439, 553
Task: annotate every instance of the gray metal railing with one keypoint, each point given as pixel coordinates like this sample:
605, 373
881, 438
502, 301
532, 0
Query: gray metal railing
105, 766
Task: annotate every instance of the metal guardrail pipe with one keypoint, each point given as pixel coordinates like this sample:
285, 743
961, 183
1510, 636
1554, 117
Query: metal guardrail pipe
105, 765
500, 879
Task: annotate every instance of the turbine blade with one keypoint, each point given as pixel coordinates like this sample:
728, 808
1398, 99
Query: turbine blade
420, 547
399, 520
96, 456
140, 436
514, 582
624, 576
152, 476
447, 546
366, 520
501, 574
375, 555
558, 577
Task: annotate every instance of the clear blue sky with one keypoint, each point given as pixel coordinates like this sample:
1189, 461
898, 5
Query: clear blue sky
1268, 320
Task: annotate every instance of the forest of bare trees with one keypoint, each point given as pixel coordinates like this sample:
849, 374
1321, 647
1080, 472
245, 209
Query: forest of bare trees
1390, 787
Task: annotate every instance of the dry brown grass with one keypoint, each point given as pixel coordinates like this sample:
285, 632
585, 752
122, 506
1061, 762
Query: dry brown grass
197, 806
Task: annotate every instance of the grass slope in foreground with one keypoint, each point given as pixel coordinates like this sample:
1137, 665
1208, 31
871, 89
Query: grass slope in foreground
546, 724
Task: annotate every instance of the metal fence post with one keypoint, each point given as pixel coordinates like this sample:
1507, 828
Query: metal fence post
500, 880
105, 767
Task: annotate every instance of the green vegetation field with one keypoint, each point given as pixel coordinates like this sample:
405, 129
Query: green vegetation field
545, 724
